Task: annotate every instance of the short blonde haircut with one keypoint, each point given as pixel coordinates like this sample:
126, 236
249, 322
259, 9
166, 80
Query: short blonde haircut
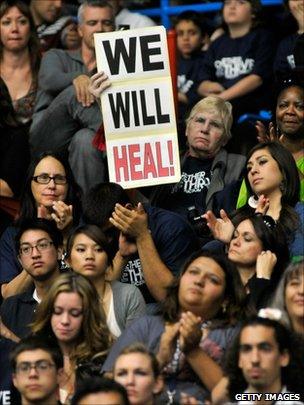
218, 105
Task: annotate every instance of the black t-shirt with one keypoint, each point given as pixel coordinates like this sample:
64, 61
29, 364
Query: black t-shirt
228, 60
284, 61
192, 188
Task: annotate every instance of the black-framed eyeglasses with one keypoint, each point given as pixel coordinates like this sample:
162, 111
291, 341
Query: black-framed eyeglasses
40, 366
45, 179
41, 246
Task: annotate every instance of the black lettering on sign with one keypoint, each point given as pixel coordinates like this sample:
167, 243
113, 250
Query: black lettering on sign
147, 120
146, 52
128, 56
121, 107
161, 118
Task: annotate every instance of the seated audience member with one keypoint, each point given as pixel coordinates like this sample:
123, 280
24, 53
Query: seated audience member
237, 65
70, 314
89, 253
289, 297
137, 369
265, 360
192, 334
259, 251
37, 369
153, 243
238, 68
192, 41
66, 115
39, 247
273, 182
54, 31
284, 62
101, 391
128, 20
288, 129
19, 64
50, 193
206, 167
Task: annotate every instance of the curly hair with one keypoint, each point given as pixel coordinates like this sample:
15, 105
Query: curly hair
94, 336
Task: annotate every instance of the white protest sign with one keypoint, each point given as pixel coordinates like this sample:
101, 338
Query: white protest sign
138, 108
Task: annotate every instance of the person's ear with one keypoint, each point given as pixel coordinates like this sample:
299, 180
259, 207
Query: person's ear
285, 358
158, 385
60, 253
14, 379
60, 376
19, 260
79, 30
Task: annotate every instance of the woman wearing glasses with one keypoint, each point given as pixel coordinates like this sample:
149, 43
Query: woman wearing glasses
50, 193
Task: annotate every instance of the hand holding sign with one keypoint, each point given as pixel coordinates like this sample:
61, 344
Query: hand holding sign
98, 83
81, 84
138, 109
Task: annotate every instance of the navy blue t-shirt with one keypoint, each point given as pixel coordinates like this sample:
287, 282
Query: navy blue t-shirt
174, 240
228, 60
284, 61
188, 77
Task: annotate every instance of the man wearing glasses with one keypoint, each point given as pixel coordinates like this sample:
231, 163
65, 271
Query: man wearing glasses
37, 367
39, 247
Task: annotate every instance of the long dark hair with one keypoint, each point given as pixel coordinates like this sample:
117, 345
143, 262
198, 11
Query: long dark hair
271, 236
290, 186
234, 293
28, 204
33, 44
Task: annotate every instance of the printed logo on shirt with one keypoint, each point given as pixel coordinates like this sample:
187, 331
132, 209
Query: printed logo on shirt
291, 61
132, 273
192, 183
232, 67
183, 84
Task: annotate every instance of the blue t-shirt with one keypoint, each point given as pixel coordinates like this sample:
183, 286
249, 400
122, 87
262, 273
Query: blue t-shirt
228, 60
174, 240
284, 61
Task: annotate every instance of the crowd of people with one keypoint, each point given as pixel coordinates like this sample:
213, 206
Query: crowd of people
187, 293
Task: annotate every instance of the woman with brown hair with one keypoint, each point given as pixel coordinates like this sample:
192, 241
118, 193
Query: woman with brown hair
197, 323
71, 315
19, 64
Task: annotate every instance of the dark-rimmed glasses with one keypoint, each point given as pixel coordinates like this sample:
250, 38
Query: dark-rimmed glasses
41, 246
45, 179
40, 366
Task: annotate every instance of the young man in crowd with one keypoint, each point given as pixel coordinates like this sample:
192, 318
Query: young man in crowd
37, 368
54, 30
39, 244
101, 391
265, 365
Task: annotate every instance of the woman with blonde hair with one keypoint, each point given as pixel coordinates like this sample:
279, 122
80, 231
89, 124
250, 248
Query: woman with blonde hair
71, 314
137, 369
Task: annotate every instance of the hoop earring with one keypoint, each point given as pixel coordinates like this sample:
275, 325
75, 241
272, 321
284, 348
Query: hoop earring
253, 201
